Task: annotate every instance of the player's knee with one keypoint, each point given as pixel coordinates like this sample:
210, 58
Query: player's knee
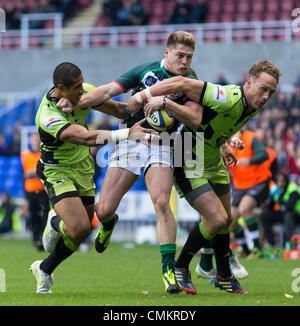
79, 232
221, 222
104, 211
162, 204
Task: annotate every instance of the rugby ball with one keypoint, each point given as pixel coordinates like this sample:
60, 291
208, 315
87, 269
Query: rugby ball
160, 120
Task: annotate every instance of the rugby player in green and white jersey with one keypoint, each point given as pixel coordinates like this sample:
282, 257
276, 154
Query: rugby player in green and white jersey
124, 168
225, 109
66, 167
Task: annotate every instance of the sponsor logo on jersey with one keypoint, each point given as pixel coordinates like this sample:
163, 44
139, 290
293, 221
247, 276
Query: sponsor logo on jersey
49, 122
150, 79
220, 94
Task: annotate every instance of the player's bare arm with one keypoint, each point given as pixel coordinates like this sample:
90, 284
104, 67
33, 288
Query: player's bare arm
79, 135
99, 95
191, 87
189, 114
93, 98
114, 108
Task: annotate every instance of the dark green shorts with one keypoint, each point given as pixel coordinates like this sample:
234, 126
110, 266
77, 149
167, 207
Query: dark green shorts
69, 181
192, 187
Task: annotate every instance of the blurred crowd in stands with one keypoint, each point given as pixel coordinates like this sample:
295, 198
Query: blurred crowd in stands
10, 144
15, 8
118, 12
154, 12
136, 12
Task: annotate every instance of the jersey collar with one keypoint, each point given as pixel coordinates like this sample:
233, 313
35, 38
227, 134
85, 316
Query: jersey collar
244, 100
51, 98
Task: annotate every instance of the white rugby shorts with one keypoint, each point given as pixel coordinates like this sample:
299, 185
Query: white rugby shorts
137, 157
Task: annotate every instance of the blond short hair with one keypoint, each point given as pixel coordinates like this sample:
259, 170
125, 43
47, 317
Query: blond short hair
181, 37
264, 66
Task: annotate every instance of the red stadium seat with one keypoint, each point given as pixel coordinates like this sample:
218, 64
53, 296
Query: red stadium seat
158, 10
255, 17
241, 18
284, 16
226, 18
243, 7
215, 9
228, 8
272, 7
154, 21
270, 16
287, 6
103, 21
212, 18
269, 34
34, 41
257, 7
296, 36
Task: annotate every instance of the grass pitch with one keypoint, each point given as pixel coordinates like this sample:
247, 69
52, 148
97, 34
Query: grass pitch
132, 277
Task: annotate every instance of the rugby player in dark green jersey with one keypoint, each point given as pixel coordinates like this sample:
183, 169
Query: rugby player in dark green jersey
66, 167
225, 109
123, 171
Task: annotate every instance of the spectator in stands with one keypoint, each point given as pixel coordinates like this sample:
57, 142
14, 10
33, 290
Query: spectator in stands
294, 106
181, 13
281, 155
12, 21
13, 12
130, 13
15, 144
36, 195
61, 5
14, 147
289, 209
110, 9
137, 13
7, 209
199, 12
4, 150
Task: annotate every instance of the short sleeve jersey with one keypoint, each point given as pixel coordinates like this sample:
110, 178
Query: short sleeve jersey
224, 114
146, 75
51, 121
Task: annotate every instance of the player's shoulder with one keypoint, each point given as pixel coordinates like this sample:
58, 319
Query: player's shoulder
48, 112
146, 66
229, 94
154, 64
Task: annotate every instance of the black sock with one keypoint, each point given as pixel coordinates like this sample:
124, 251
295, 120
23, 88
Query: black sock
240, 237
206, 258
60, 253
55, 223
221, 243
253, 228
109, 224
193, 244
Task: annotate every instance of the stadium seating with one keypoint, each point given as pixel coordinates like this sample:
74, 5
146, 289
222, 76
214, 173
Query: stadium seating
159, 13
14, 9
11, 176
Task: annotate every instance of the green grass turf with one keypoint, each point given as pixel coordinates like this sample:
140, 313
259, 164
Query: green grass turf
132, 277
